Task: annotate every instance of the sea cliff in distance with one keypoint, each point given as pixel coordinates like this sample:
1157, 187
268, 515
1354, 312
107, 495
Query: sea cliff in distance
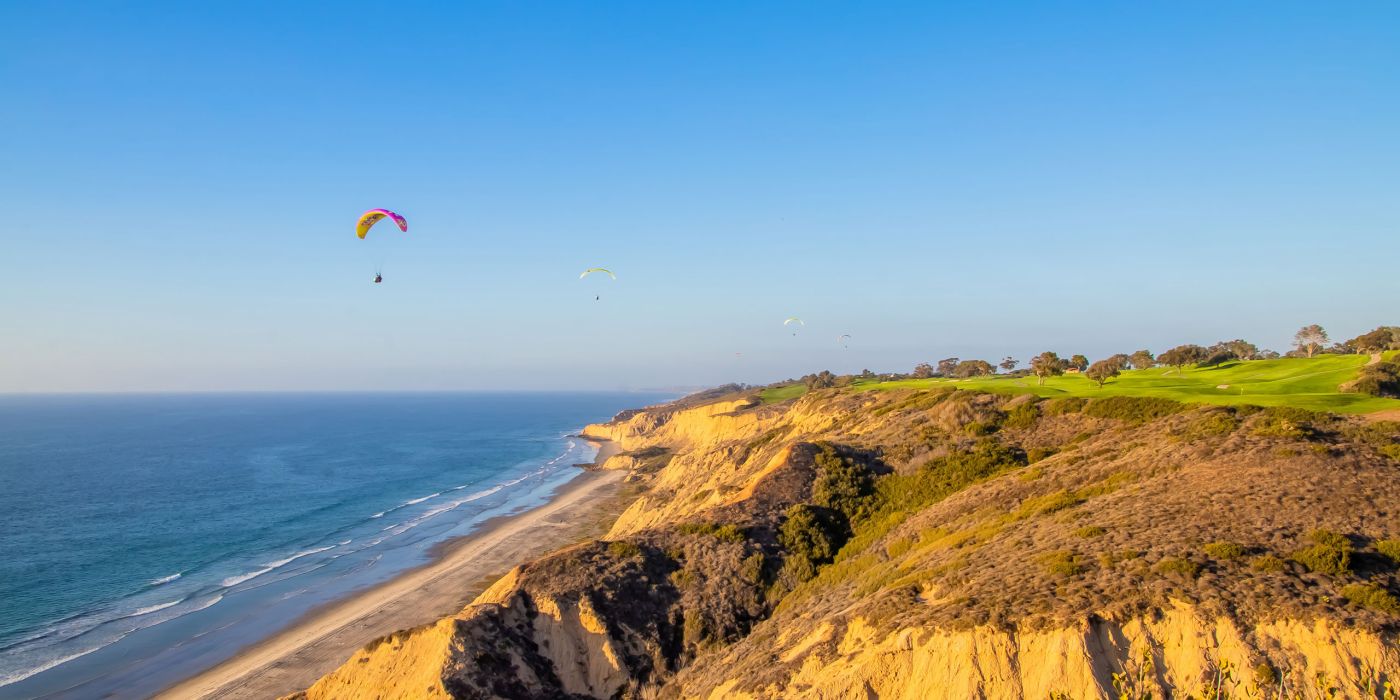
1204, 530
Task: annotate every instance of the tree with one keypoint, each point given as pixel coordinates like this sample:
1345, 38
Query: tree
946, 366
1008, 363
1047, 364
973, 368
1142, 359
1268, 354
1119, 361
923, 370
822, 380
867, 374
1183, 355
1310, 339
1079, 362
1375, 341
1242, 349
1102, 371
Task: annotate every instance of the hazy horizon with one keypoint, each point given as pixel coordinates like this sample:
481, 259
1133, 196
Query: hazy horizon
182, 184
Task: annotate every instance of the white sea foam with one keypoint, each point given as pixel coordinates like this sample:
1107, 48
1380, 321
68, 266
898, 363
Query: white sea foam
18, 676
380, 514
166, 579
271, 566
416, 501
153, 608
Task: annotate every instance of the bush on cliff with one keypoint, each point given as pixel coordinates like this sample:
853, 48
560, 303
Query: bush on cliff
811, 536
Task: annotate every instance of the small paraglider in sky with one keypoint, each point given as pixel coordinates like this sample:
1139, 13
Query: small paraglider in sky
597, 270
791, 320
843, 338
368, 220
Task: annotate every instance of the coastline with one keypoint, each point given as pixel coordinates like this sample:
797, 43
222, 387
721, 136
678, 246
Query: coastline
322, 639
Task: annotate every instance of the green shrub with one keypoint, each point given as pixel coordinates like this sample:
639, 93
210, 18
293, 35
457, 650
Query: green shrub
751, 569
811, 535
1035, 454
1389, 549
1330, 553
727, 532
1265, 676
1268, 563
1055, 502
1285, 422
841, 484
1089, 531
981, 428
1224, 550
1061, 563
1133, 409
1213, 424
1369, 595
938, 478
1382, 380
682, 578
1022, 416
624, 550
1177, 566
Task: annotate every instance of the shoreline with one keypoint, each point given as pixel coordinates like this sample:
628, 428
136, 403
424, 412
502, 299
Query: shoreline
459, 569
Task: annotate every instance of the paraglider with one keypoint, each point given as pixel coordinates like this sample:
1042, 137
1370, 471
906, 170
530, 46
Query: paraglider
843, 338
593, 270
367, 221
793, 319
372, 217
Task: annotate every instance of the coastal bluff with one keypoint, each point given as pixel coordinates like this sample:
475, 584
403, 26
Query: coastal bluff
946, 544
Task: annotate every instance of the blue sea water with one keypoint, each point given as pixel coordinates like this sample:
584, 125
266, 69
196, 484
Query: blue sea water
146, 538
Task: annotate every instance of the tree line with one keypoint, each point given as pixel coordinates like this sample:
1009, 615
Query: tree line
1310, 341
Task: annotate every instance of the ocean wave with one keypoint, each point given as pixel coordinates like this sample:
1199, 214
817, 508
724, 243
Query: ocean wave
416, 501
40, 666
17, 676
380, 514
271, 566
166, 579
152, 608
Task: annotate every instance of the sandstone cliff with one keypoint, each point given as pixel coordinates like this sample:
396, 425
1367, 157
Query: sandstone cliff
948, 544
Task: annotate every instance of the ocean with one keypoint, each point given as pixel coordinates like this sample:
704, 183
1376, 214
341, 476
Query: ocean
148, 537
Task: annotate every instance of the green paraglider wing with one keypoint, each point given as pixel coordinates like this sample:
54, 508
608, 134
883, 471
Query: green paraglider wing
592, 270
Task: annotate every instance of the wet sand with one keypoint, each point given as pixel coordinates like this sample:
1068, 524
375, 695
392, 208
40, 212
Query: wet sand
323, 639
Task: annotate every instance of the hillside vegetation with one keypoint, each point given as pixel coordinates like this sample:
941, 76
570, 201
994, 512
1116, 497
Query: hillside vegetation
1308, 383
928, 541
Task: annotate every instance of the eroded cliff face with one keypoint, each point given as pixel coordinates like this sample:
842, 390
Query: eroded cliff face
1009, 548
1177, 653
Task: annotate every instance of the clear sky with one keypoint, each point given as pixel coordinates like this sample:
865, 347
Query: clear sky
181, 180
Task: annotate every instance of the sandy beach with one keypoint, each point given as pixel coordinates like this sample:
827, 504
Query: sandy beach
294, 658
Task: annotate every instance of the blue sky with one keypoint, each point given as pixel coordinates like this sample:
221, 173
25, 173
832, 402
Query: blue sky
182, 179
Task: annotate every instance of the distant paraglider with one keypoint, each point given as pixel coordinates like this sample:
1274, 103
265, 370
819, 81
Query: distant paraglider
597, 270
791, 320
843, 338
368, 220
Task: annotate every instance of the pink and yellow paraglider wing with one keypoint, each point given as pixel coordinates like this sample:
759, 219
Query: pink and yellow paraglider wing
372, 217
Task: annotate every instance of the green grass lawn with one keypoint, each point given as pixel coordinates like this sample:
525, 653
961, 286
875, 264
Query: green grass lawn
1299, 382
782, 393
